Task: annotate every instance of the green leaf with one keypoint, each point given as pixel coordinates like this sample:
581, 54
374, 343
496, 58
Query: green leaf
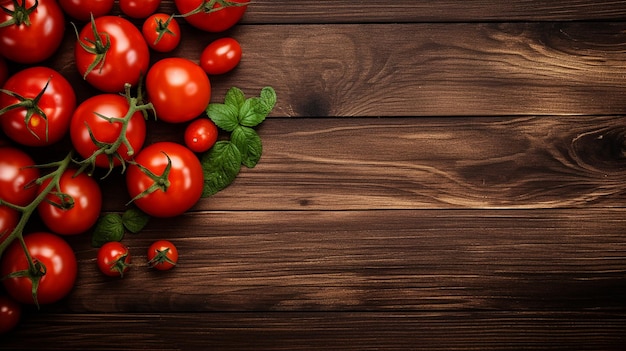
235, 97
224, 116
135, 220
268, 98
221, 165
108, 228
251, 112
249, 144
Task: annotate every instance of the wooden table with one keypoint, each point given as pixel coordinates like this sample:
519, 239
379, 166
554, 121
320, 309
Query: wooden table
437, 175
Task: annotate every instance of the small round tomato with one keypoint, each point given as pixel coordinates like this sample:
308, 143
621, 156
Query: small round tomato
175, 191
220, 56
178, 88
85, 195
46, 249
36, 33
113, 259
162, 32
89, 116
82, 10
162, 255
8, 221
212, 16
54, 101
10, 313
17, 176
139, 8
120, 54
200, 135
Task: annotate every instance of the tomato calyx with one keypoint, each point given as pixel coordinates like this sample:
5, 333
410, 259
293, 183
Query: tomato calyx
30, 105
160, 182
163, 28
20, 14
35, 271
160, 258
96, 47
210, 6
120, 265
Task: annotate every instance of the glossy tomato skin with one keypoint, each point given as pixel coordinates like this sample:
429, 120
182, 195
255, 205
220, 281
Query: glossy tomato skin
36, 42
162, 255
87, 198
83, 9
57, 103
126, 60
113, 259
8, 220
58, 258
109, 105
139, 8
178, 88
217, 21
220, 56
10, 314
200, 135
17, 176
185, 177
150, 30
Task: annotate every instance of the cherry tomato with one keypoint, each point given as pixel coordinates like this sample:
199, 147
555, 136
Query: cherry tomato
185, 179
217, 21
113, 259
162, 32
88, 115
17, 176
139, 8
126, 60
60, 268
162, 255
83, 9
10, 313
220, 56
178, 88
8, 220
86, 196
34, 42
50, 117
200, 135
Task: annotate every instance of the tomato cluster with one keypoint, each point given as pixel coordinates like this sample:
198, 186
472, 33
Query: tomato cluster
107, 131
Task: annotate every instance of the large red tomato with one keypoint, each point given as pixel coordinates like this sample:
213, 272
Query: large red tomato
36, 33
212, 16
86, 196
180, 189
178, 88
17, 176
60, 268
89, 116
119, 56
45, 123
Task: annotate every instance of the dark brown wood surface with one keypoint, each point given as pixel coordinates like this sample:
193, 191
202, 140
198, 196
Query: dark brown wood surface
436, 175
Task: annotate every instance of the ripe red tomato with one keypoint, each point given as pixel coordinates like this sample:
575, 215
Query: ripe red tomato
216, 21
178, 88
113, 259
220, 56
10, 313
162, 255
139, 8
185, 178
162, 32
125, 61
60, 272
17, 176
87, 115
201, 135
34, 42
8, 220
86, 196
83, 9
50, 117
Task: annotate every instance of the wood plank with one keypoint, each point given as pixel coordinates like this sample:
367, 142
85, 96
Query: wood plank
474, 69
524, 260
328, 331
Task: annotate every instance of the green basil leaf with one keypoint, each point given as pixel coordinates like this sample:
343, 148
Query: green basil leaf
235, 97
268, 99
220, 164
108, 228
249, 144
224, 116
251, 113
135, 220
